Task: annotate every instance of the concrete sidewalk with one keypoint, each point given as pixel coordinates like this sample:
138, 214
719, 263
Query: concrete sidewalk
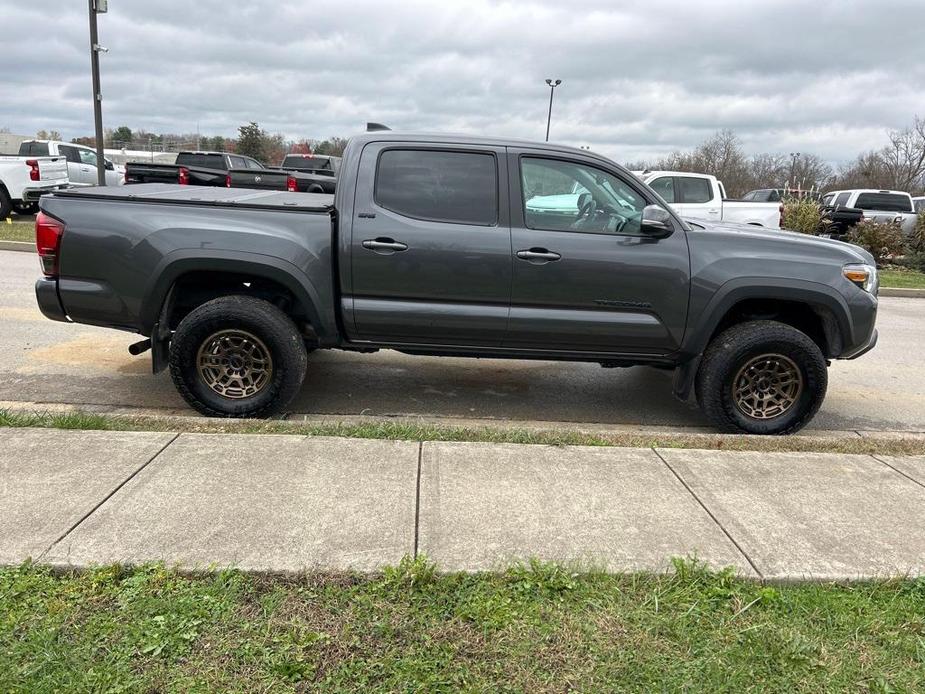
286, 503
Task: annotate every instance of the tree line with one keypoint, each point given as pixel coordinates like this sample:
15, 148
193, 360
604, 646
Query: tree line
252, 141
900, 165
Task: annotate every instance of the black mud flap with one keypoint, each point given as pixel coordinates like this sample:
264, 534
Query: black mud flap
684, 376
160, 349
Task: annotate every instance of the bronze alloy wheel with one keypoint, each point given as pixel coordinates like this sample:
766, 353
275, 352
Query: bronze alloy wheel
767, 386
234, 363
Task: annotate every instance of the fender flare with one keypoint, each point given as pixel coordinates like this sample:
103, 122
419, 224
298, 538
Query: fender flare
821, 297
178, 263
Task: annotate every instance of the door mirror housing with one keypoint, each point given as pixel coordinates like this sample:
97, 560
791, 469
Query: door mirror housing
109, 165
656, 221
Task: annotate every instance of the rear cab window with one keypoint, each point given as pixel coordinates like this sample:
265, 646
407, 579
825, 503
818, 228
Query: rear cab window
33, 149
205, 161
457, 187
884, 202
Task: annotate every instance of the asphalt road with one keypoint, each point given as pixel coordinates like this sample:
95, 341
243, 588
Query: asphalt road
48, 362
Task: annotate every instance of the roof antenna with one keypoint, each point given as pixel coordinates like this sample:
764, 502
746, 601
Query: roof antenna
376, 127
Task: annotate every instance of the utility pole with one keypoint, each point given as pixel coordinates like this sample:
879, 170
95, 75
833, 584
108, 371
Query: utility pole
97, 7
552, 88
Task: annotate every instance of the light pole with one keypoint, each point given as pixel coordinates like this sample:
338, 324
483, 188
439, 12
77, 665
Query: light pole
793, 165
97, 7
552, 88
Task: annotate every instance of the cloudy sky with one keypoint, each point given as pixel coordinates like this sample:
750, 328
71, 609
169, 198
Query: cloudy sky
640, 77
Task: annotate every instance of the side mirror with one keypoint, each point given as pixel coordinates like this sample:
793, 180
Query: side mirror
656, 221
109, 166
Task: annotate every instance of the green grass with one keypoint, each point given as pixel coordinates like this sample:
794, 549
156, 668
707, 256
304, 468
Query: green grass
404, 431
532, 628
905, 279
17, 231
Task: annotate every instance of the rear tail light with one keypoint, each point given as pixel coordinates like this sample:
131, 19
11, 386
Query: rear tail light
183, 176
291, 184
48, 233
34, 174
228, 180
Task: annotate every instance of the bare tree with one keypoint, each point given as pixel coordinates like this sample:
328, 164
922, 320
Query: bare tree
904, 157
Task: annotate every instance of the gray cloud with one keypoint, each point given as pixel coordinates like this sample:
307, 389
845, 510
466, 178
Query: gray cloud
640, 78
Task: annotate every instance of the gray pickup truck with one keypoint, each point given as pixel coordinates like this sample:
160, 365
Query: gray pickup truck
440, 245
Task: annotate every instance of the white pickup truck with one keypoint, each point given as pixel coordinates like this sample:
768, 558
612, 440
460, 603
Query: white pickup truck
81, 161
878, 205
24, 179
701, 196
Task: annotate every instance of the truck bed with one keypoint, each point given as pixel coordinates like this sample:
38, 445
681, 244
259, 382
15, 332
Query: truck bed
215, 197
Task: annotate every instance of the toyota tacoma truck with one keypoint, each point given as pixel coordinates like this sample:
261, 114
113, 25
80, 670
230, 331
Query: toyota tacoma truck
431, 247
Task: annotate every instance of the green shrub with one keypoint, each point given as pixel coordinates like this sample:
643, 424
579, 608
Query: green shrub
917, 239
804, 215
914, 261
883, 240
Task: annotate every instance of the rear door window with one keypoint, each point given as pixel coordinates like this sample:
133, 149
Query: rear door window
439, 186
695, 190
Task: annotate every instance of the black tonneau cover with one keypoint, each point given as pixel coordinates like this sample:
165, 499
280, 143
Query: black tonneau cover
201, 195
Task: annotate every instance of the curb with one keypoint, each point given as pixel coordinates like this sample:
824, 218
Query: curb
904, 292
22, 246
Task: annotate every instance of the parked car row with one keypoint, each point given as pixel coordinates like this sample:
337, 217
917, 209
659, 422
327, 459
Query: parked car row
304, 173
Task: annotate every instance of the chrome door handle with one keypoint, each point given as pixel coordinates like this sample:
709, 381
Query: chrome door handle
383, 244
538, 254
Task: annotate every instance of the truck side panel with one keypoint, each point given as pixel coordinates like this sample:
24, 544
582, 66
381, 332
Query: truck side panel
120, 257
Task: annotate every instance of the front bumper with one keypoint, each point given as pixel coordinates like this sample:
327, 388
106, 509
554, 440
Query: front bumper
865, 348
46, 294
33, 194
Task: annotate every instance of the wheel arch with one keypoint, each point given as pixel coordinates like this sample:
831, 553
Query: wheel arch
181, 265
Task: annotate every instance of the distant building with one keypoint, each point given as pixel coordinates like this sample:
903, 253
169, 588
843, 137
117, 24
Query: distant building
9, 143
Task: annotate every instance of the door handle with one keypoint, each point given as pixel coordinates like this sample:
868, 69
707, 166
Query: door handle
538, 255
385, 245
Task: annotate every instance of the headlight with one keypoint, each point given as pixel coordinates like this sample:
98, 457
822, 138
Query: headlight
863, 275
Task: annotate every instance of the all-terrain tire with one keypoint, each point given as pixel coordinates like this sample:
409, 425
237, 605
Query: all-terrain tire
721, 371
229, 316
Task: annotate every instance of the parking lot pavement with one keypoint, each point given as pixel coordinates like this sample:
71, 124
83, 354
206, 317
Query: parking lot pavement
47, 362
285, 503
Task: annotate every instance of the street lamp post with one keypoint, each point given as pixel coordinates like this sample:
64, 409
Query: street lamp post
97, 7
552, 88
794, 156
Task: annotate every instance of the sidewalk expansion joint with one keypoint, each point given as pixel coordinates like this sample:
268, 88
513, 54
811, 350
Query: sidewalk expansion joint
895, 469
107, 497
417, 499
710, 513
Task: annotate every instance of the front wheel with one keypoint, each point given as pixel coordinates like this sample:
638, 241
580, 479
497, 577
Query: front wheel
762, 377
237, 356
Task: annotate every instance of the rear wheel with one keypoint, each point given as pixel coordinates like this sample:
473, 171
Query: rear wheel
762, 377
237, 356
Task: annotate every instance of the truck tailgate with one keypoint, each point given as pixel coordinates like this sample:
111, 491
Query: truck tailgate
52, 168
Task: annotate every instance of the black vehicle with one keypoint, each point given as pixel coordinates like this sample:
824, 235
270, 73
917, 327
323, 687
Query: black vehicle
837, 219
279, 179
192, 168
320, 164
458, 246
